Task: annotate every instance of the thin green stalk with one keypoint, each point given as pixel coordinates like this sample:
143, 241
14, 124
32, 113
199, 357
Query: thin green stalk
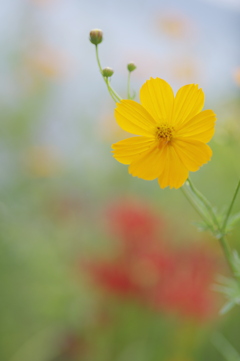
230, 208
128, 85
110, 90
228, 253
113, 94
224, 347
105, 79
195, 206
205, 202
219, 235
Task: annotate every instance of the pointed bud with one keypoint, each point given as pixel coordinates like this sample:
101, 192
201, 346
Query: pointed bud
96, 36
107, 72
131, 67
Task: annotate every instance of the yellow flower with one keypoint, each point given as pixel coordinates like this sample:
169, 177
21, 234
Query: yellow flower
172, 133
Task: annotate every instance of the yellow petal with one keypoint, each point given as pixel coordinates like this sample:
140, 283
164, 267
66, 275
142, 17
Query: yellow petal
157, 97
188, 102
192, 153
132, 117
200, 127
174, 173
127, 150
149, 165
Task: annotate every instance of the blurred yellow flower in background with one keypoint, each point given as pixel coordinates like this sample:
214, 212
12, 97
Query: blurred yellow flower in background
174, 24
184, 70
47, 61
42, 162
172, 133
236, 75
42, 64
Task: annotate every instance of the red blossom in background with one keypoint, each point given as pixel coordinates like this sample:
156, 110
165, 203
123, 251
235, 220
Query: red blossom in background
113, 276
186, 286
153, 273
134, 223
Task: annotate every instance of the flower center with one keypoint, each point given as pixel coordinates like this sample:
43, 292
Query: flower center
164, 132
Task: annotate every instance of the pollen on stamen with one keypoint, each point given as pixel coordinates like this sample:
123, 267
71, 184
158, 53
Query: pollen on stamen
164, 132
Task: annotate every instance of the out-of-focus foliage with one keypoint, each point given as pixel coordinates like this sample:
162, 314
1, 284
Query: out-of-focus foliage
96, 265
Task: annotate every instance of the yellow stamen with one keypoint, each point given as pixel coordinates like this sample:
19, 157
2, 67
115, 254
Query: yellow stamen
164, 132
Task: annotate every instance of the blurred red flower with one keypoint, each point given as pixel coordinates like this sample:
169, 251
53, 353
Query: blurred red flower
152, 272
185, 287
113, 276
134, 223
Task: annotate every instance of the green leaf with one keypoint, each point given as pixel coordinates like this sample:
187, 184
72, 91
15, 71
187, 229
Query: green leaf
227, 307
225, 348
202, 226
232, 221
230, 288
236, 261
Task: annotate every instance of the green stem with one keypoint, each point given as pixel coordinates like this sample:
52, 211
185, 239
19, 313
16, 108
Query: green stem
128, 85
228, 254
224, 347
216, 228
206, 203
112, 92
195, 206
230, 208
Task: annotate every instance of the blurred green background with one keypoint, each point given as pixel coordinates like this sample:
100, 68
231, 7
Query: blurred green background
97, 265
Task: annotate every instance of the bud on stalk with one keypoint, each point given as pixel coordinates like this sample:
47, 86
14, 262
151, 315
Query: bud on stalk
131, 67
107, 72
96, 36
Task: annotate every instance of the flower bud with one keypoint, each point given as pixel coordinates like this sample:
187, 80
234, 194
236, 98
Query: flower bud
131, 67
96, 36
107, 72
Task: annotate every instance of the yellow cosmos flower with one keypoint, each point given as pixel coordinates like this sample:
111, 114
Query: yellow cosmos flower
172, 133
